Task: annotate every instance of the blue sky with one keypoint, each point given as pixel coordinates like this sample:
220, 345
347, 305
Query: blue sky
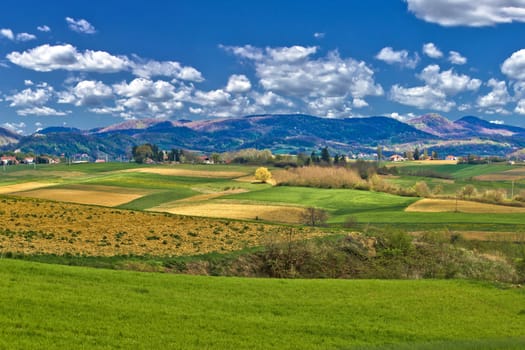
88, 64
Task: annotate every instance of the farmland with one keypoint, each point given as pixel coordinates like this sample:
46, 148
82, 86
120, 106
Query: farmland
50, 306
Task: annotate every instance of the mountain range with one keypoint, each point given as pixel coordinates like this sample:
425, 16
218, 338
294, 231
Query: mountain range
290, 133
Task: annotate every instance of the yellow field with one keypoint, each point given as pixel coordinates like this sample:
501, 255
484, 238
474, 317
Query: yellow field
186, 172
109, 196
449, 205
24, 187
33, 226
274, 213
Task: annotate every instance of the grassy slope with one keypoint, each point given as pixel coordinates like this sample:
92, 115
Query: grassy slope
368, 207
46, 306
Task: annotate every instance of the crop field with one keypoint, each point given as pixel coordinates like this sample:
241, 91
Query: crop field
32, 226
49, 306
25, 186
449, 205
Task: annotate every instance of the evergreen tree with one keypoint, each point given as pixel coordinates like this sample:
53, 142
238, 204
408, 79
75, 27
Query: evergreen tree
325, 155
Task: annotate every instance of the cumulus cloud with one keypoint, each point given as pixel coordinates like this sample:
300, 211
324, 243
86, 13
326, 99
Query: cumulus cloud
41, 111
401, 57
514, 66
494, 101
15, 127
455, 57
30, 97
25, 37
80, 26
448, 81
431, 50
422, 97
319, 35
467, 12
87, 93
43, 28
238, 83
326, 85
8, 34
152, 68
46, 58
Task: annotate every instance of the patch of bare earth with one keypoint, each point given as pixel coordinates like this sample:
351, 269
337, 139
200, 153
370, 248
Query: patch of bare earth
187, 172
109, 196
428, 205
273, 213
24, 187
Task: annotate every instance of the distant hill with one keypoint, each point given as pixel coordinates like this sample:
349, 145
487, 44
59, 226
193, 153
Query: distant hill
437, 125
288, 133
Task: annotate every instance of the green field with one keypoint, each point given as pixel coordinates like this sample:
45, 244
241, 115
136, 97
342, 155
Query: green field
50, 307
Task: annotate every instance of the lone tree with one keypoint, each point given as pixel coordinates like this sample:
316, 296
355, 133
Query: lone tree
314, 217
263, 174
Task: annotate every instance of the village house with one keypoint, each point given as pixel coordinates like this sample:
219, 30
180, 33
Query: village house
451, 158
396, 158
8, 160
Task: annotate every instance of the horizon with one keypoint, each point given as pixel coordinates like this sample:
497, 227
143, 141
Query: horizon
67, 64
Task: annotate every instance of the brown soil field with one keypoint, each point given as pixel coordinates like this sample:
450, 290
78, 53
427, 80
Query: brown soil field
61, 174
274, 213
486, 236
186, 172
24, 187
509, 175
109, 196
449, 205
33, 226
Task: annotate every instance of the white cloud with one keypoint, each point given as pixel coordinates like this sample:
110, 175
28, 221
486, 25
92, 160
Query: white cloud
455, 57
401, 117
514, 66
87, 93
80, 26
30, 97
448, 81
496, 99
520, 107
41, 111
470, 13
28, 83
212, 98
15, 127
359, 103
401, 57
423, 97
238, 84
196, 110
43, 28
497, 122
319, 35
431, 50
152, 68
290, 54
7, 33
270, 99
25, 37
320, 83
46, 58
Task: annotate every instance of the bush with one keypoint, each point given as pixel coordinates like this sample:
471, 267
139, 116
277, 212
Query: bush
263, 174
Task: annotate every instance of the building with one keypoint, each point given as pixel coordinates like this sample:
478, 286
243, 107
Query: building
396, 158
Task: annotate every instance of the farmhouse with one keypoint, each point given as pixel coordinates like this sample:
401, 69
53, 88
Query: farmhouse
396, 158
8, 160
451, 158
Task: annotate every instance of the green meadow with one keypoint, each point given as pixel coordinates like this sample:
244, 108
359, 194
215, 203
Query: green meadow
56, 307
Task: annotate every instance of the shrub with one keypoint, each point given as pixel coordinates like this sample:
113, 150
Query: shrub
263, 174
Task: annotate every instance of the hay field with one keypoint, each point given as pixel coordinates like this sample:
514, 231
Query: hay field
449, 205
273, 213
187, 172
26, 186
32, 226
109, 196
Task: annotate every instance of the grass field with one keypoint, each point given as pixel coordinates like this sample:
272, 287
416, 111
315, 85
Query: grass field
51, 307
429, 205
